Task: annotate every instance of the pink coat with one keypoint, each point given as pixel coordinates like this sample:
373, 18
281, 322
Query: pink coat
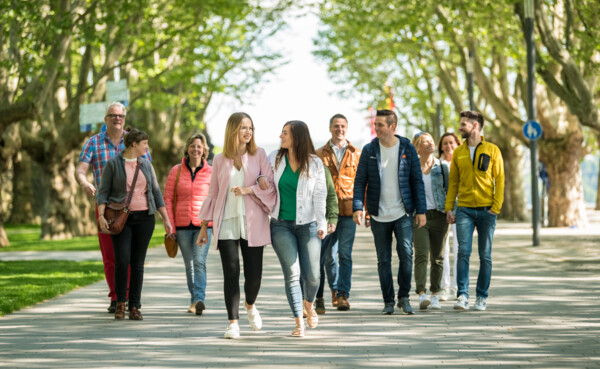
258, 206
190, 195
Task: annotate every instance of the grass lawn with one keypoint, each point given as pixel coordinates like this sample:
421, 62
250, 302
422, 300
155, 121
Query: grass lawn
27, 238
25, 283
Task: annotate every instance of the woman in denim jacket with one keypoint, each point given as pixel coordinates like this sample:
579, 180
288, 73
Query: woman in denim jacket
429, 240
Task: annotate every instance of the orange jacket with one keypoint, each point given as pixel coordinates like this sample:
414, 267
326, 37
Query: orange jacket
343, 179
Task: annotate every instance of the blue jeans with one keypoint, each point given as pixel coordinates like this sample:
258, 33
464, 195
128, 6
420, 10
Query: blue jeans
343, 237
298, 249
466, 221
194, 259
328, 264
402, 228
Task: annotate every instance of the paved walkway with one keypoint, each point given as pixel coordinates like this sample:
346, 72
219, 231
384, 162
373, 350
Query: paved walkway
543, 312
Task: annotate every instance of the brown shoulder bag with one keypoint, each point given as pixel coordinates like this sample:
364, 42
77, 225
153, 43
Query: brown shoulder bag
116, 213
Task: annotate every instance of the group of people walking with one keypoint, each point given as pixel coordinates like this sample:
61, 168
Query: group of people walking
306, 203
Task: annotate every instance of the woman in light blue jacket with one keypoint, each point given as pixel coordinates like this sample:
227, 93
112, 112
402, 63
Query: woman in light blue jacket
429, 240
298, 222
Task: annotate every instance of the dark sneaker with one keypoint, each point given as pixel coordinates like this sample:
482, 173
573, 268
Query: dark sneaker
343, 303
200, 307
388, 309
320, 305
404, 305
112, 308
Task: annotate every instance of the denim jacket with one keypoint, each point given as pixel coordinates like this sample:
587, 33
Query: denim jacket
439, 183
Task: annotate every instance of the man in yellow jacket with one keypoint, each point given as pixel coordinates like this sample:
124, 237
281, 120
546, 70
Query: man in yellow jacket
477, 177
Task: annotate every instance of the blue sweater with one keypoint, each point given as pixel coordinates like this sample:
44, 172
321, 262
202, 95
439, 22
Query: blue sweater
368, 178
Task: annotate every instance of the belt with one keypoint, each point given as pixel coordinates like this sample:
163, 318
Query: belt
139, 212
480, 207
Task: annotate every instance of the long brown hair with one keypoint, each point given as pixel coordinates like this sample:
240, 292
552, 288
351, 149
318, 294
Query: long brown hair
302, 145
232, 136
456, 139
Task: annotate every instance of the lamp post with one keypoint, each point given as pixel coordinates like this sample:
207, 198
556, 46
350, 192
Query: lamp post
531, 116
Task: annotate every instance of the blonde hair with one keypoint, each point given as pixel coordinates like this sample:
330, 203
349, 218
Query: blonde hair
418, 137
232, 131
190, 141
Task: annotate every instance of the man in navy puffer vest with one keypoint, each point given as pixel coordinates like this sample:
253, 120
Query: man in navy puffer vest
390, 173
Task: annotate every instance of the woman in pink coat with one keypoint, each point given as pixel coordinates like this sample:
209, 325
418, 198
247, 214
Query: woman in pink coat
192, 187
239, 208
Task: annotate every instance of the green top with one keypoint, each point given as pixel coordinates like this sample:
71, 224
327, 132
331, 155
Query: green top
332, 210
288, 187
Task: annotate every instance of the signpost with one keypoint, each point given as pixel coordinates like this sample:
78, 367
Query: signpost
91, 114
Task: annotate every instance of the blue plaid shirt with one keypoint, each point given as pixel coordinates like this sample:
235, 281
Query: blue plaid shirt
97, 150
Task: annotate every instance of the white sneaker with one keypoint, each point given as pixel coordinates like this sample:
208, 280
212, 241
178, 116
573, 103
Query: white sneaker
232, 331
424, 301
479, 303
435, 303
462, 303
254, 318
445, 294
453, 293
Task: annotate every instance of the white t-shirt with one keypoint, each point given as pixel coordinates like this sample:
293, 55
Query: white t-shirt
391, 206
472, 150
233, 225
429, 192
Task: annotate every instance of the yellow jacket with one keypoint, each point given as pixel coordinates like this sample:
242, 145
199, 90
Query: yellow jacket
479, 182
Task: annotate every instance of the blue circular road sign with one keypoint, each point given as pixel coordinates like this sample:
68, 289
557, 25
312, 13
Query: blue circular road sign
532, 130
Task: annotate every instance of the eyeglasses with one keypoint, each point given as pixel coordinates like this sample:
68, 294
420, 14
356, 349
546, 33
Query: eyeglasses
120, 116
247, 129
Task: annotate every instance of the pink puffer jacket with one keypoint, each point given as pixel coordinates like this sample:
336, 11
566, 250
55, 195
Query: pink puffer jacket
190, 195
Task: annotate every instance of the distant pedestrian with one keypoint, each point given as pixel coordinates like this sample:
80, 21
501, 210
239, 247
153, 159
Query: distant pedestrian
429, 240
187, 186
96, 152
477, 177
341, 157
240, 196
131, 245
390, 175
298, 222
446, 146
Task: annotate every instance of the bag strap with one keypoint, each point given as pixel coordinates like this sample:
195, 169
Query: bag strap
135, 176
175, 192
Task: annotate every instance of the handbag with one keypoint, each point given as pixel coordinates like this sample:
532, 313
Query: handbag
171, 244
116, 213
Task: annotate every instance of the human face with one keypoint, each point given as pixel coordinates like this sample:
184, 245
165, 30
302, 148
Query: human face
286, 138
448, 145
115, 118
245, 131
426, 146
338, 129
139, 148
466, 127
195, 150
382, 129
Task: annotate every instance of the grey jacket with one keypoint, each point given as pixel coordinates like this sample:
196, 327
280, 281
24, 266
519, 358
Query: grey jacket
113, 187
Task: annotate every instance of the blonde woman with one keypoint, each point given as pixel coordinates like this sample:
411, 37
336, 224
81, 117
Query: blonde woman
238, 207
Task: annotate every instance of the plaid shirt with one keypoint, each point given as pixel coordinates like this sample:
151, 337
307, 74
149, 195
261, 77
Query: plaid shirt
97, 150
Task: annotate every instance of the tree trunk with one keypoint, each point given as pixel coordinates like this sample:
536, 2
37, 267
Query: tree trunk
562, 157
514, 193
598, 185
23, 209
66, 212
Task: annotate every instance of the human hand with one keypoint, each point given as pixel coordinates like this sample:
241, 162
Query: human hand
330, 228
321, 234
202, 237
263, 183
89, 189
241, 191
420, 220
103, 223
168, 226
491, 212
450, 217
358, 217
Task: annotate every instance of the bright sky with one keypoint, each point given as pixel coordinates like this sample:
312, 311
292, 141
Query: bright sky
300, 90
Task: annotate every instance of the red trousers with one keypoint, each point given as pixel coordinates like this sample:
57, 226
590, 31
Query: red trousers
108, 258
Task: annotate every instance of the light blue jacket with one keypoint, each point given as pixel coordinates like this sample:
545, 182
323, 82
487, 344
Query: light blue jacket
439, 183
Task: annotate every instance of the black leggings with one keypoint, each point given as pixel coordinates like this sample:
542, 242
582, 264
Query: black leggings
230, 259
130, 250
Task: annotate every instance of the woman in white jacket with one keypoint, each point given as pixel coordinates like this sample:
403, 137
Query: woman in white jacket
298, 221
